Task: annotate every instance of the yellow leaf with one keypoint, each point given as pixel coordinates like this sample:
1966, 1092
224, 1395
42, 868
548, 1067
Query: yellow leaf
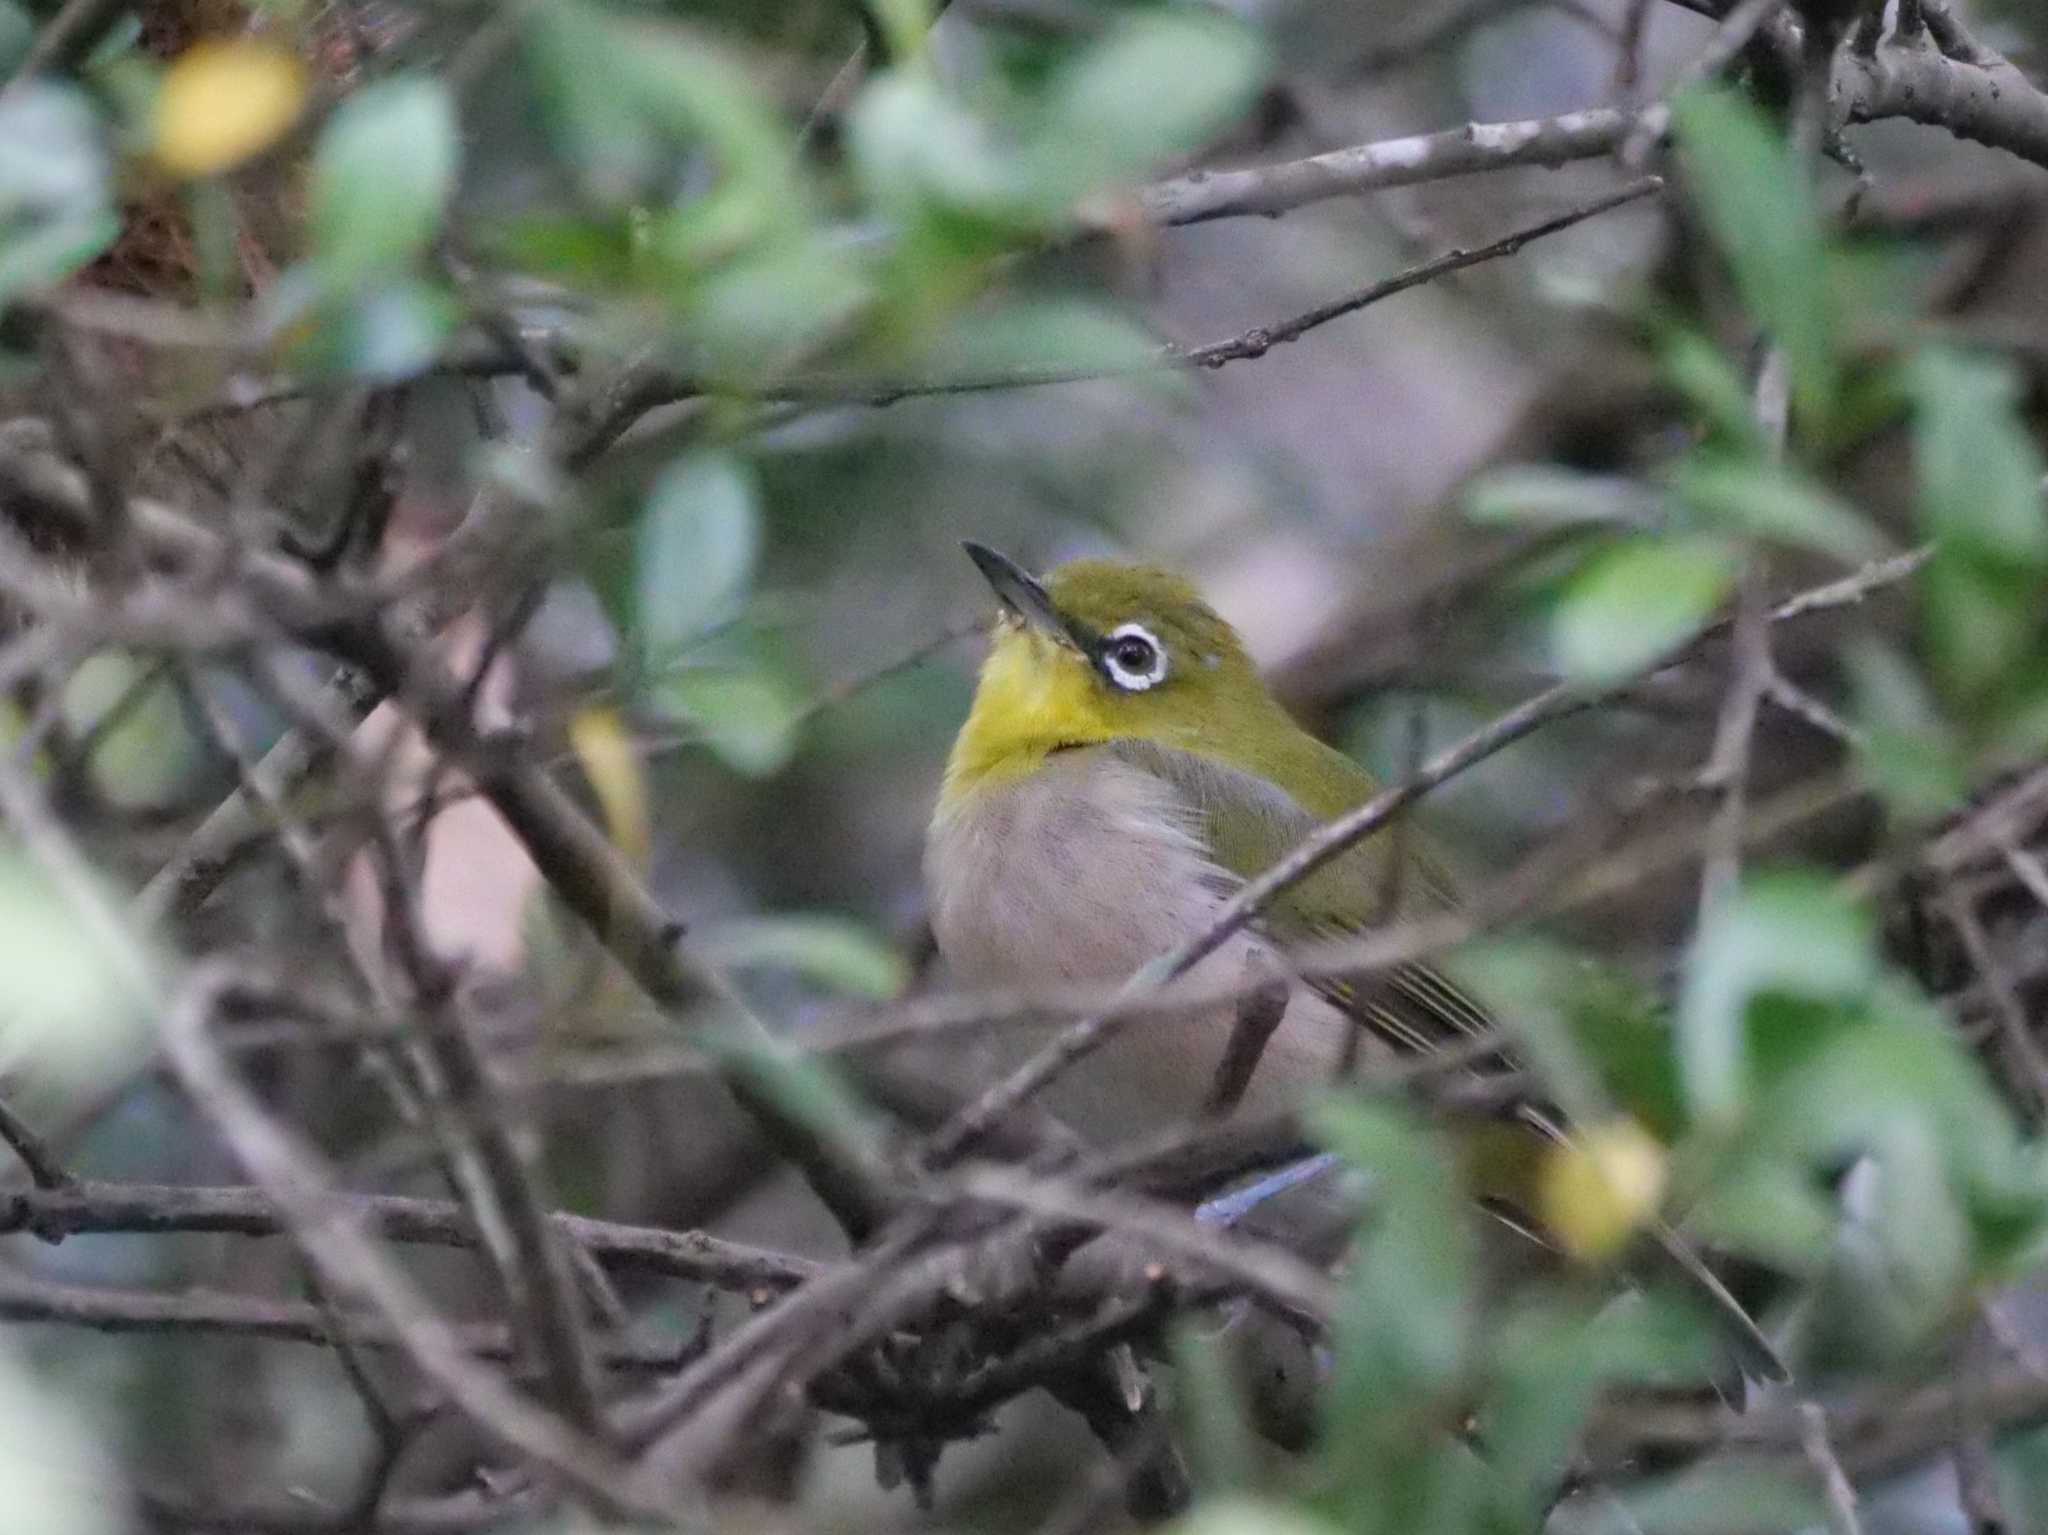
223, 102
604, 748
1595, 1191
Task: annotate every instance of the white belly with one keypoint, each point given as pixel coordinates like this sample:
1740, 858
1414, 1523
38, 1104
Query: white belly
1084, 872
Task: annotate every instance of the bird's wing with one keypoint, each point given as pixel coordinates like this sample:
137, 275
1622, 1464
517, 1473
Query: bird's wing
1250, 824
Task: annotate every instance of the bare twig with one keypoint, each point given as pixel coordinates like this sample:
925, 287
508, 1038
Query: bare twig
42, 1164
211, 1311
1836, 1491
148, 1208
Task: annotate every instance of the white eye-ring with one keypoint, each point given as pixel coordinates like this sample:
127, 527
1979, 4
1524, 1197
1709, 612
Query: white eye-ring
1134, 658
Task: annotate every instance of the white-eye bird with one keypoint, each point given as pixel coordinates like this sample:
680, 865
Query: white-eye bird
1123, 769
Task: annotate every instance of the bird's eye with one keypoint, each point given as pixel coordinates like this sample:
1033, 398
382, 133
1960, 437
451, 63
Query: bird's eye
1133, 658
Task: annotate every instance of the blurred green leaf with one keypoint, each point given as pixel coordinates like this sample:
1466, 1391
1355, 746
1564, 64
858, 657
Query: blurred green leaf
1980, 473
1910, 753
760, 315
1777, 502
748, 715
61, 1479
807, 1089
1983, 618
1247, 1516
1789, 933
903, 24
386, 333
1636, 601
1900, 1268
382, 175
1531, 985
1158, 84
1767, 1209
143, 747
699, 539
911, 143
627, 97
1404, 1337
68, 1020
1712, 385
56, 210
1721, 1497
1757, 202
1553, 1360
1044, 336
17, 32
1218, 1440
836, 952
1545, 496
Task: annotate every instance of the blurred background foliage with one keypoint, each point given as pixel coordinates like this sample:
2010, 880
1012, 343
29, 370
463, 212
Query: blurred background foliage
864, 316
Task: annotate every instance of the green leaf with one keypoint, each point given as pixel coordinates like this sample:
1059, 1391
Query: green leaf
1980, 473
388, 333
836, 952
1712, 386
1218, 1439
1159, 84
382, 176
1769, 1210
56, 209
755, 317
911, 144
1719, 1497
1774, 501
1543, 496
1039, 336
1637, 601
1553, 1360
59, 1475
699, 540
1404, 1337
1910, 753
1782, 933
67, 1017
903, 24
17, 33
1982, 619
142, 745
1530, 985
624, 97
748, 715
806, 1089
1757, 202
1246, 1516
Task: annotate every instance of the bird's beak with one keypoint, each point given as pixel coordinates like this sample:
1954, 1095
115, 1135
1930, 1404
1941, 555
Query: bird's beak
1020, 593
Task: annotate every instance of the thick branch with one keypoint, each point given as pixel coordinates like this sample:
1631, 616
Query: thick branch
1991, 103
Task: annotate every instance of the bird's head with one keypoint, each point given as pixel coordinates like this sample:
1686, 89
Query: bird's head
1102, 651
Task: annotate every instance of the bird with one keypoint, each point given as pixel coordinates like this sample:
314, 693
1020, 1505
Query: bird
1122, 770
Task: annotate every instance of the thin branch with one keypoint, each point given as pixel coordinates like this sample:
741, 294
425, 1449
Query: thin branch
43, 1167
1836, 1491
2029, 1061
152, 1209
1261, 1267
113, 1310
1272, 189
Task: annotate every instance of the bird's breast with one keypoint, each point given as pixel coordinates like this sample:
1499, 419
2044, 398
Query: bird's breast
1083, 872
